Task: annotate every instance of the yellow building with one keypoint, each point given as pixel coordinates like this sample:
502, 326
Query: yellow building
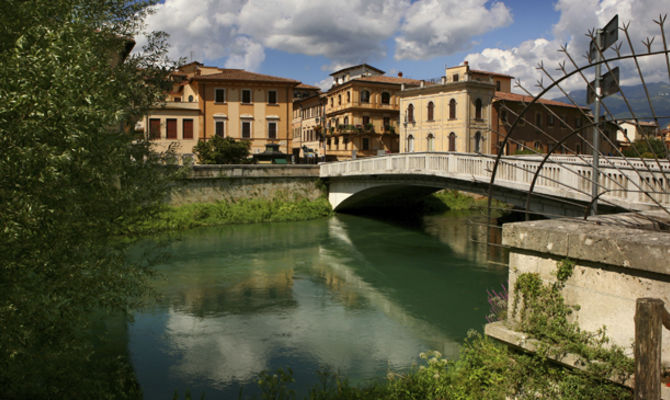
207, 101
452, 115
307, 128
362, 110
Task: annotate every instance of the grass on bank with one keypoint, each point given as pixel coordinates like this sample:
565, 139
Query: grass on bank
246, 211
456, 201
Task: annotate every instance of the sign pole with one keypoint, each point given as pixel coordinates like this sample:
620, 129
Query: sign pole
596, 133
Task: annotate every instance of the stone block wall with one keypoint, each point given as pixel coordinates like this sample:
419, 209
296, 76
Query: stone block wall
617, 262
210, 183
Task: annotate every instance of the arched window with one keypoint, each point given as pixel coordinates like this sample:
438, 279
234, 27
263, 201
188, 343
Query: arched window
386, 98
410, 113
452, 109
190, 98
452, 141
431, 107
478, 109
431, 142
365, 96
478, 142
346, 121
410, 144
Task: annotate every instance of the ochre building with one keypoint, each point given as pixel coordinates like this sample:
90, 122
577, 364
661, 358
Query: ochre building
208, 101
361, 111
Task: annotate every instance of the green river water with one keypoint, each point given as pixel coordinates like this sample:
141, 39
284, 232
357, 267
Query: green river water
356, 295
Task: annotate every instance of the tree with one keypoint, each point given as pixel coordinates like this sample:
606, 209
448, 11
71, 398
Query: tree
647, 149
73, 175
218, 150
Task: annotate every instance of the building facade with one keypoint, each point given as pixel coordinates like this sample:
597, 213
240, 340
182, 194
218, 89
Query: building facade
308, 143
472, 111
362, 110
208, 101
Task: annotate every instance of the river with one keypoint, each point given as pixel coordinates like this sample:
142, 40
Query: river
356, 295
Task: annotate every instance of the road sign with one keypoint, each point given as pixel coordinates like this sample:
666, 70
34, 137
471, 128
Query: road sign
609, 84
608, 36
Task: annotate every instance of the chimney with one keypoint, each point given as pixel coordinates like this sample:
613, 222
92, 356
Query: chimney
465, 63
422, 83
444, 80
400, 74
402, 86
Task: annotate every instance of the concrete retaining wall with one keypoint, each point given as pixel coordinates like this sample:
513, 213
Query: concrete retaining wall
616, 263
210, 183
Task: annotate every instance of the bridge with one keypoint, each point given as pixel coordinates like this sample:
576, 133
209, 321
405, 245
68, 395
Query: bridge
562, 186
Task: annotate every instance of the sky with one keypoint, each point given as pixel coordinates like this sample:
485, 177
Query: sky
307, 40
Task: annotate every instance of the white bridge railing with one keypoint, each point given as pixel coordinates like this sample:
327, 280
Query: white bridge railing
625, 182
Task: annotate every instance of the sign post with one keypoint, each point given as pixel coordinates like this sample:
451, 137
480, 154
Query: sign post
604, 38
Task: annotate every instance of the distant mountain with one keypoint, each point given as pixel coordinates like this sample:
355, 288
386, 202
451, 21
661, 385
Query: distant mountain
659, 93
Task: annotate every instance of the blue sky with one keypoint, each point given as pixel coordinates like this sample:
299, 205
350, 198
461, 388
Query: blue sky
308, 39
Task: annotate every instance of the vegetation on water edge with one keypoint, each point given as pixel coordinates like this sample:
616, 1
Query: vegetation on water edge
485, 370
454, 200
245, 211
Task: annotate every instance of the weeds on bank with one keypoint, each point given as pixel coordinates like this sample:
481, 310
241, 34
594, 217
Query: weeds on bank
246, 211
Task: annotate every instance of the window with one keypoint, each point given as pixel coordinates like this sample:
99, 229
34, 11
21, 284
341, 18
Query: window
348, 97
478, 142
538, 145
454, 78
498, 86
387, 123
331, 101
246, 96
431, 107
538, 119
246, 129
219, 128
452, 141
366, 144
431, 142
154, 128
410, 113
503, 116
410, 143
272, 97
272, 130
366, 121
346, 120
177, 99
365, 96
339, 99
190, 99
219, 95
386, 98
550, 119
478, 109
171, 128
452, 109
187, 129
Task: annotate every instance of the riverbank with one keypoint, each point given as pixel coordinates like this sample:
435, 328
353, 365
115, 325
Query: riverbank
244, 211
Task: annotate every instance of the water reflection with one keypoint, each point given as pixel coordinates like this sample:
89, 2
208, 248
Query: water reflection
350, 293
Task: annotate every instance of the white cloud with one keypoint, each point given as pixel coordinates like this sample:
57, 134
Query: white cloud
440, 27
346, 32
577, 17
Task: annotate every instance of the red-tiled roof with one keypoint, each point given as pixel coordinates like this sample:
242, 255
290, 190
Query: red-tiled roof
306, 86
357, 66
506, 96
242, 75
388, 79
